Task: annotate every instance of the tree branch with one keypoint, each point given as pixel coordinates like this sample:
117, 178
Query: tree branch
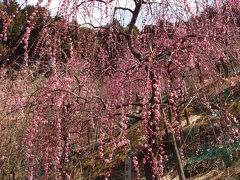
122, 8
101, 1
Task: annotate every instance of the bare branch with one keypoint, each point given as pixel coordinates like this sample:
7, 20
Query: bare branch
95, 27
101, 1
121, 8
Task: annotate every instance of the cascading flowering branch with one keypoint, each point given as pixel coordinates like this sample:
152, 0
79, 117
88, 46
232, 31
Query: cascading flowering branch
136, 167
30, 25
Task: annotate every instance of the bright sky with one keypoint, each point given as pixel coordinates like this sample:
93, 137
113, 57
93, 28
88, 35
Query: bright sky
124, 16
97, 19
54, 3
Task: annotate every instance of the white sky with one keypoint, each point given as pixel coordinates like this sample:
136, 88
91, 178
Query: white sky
54, 4
124, 16
96, 20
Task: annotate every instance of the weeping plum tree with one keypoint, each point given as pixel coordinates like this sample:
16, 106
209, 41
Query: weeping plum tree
108, 77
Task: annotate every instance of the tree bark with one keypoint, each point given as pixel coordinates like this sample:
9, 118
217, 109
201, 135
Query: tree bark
148, 170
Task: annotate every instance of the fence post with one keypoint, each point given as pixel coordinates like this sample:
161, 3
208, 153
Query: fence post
128, 169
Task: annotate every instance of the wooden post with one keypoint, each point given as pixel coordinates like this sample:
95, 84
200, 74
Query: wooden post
128, 169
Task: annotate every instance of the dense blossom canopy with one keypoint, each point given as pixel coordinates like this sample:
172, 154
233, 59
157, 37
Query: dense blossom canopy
72, 90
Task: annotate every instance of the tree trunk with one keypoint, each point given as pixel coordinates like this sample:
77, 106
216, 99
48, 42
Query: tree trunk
148, 171
200, 74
